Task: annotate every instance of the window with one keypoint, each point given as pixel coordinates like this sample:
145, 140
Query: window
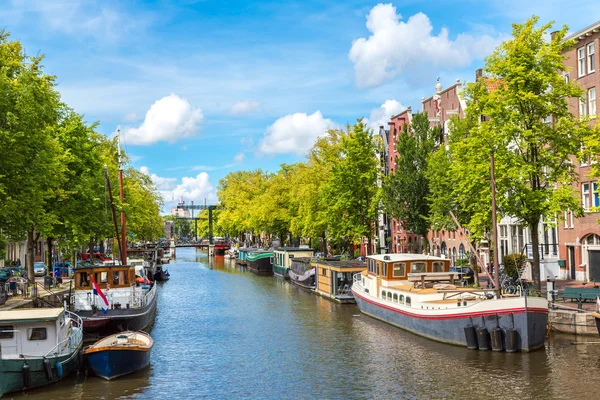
407, 301
567, 78
389, 297
372, 265
37, 334
417, 267
7, 332
585, 194
384, 269
590, 54
443, 249
399, 270
461, 251
592, 101
101, 277
383, 294
401, 298
592, 240
438, 266
503, 231
581, 61
395, 297
582, 108
324, 271
596, 202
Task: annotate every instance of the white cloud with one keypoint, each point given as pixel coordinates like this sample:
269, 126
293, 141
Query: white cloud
131, 117
162, 184
239, 158
244, 107
168, 119
247, 141
195, 188
381, 116
396, 46
294, 133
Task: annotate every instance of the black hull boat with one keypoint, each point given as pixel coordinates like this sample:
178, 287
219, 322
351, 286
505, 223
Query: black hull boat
259, 263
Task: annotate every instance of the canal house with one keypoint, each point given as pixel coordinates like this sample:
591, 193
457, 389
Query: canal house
334, 279
283, 256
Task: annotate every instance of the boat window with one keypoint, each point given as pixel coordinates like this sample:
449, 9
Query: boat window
102, 277
438, 266
116, 280
363, 279
390, 296
383, 294
123, 278
37, 334
399, 270
407, 301
383, 269
7, 332
417, 267
324, 271
401, 298
395, 297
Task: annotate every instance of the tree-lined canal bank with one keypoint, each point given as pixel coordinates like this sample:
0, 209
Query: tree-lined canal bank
221, 332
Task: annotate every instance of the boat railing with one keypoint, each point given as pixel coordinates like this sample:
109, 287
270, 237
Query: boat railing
72, 342
357, 281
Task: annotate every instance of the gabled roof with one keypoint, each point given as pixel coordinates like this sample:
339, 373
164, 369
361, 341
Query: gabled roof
594, 28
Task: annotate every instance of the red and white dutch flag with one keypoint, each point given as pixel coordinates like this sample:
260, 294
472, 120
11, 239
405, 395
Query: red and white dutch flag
103, 299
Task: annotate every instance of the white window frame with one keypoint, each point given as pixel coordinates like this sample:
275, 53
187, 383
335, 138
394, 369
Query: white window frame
567, 77
591, 101
595, 196
585, 196
581, 62
571, 219
591, 62
582, 108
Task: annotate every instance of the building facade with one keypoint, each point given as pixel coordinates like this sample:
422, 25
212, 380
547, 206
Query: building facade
579, 238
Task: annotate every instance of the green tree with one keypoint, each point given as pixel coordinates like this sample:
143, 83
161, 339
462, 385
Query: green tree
405, 191
522, 91
351, 194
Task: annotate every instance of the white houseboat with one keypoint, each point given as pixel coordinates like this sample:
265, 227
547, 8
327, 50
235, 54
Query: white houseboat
417, 293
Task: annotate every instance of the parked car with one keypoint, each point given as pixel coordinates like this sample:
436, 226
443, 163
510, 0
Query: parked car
39, 268
466, 275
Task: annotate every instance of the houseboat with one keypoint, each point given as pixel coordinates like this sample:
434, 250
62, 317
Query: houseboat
334, 279
242, 254
125, 301
302, 272
282, 257
417, 293
221, 246
39, 346
259, 262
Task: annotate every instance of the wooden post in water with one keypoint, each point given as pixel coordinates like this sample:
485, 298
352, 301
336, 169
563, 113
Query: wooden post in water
495, 228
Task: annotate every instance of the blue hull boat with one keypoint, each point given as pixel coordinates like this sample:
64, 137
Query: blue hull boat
119, 354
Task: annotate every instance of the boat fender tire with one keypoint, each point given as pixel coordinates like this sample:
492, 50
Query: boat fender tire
511, 340
59, 369
483, 338
25, 371
471, 337
496, 335
48, 370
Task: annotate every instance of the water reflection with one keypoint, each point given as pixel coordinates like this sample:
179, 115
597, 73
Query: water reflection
222, 332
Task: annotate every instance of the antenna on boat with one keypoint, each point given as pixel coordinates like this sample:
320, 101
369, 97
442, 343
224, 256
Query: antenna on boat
123, 244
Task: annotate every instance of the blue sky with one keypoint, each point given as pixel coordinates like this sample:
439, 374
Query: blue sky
203, 88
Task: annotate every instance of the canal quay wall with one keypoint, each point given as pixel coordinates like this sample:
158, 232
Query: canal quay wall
572, 322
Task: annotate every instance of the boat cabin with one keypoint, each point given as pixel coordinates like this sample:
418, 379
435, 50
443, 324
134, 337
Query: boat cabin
32, 332
334, 279
118, 283
283, 256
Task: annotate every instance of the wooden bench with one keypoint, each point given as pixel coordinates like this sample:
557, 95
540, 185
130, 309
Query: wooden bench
423, 277
584, 294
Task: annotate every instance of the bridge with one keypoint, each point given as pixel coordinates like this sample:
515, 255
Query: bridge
199, 207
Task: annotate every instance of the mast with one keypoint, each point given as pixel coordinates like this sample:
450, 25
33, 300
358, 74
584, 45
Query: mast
495, 228
123, 244
114, 214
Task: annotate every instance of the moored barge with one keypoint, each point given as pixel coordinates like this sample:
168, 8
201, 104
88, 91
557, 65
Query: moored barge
417, 293
259, 262
283, 256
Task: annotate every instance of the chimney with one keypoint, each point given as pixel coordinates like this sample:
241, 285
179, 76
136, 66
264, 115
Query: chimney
553, 35
479, 74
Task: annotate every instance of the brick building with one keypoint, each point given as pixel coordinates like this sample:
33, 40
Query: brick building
402, 241
579, 238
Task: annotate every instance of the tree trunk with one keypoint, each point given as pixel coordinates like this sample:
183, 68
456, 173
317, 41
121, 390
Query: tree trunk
369, 243
91, 251
49, 242
30, 251
101, 247
535, 268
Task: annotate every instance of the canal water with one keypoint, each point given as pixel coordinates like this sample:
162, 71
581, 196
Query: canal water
222, 332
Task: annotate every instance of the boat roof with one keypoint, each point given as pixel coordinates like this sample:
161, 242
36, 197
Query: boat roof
302, 259
342, 263
30, 314
292, 249
255, 255
405, 257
